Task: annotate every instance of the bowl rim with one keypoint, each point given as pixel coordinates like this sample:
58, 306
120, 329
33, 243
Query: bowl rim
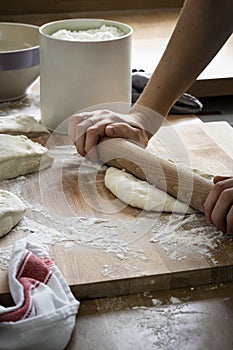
34, 47
100, 20
20, 58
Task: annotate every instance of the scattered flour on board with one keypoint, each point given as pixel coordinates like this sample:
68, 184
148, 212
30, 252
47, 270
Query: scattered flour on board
182, 237
178, 237
156, 302
175, 300
98, 34
106, 270
92, 232
29, 105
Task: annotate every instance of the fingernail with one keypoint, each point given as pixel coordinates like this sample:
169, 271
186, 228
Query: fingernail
112, 129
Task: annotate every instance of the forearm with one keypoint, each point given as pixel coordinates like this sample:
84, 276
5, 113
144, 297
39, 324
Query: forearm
202, 29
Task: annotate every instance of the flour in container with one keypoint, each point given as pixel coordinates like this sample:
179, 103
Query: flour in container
97, 34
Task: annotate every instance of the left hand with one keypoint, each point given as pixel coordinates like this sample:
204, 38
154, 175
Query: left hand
219, 204
87, 128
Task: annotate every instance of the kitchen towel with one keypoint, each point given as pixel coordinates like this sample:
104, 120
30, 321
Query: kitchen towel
44, 313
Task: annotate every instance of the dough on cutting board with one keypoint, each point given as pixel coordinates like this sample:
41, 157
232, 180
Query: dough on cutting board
12, 211
19, 156
141, 194
22, 125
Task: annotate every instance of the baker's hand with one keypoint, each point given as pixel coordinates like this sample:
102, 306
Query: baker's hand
219, 204
86, 129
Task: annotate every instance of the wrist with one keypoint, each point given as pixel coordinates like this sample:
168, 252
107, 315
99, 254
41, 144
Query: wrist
150, 120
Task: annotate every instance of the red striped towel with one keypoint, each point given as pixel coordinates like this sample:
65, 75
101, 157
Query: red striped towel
45, 309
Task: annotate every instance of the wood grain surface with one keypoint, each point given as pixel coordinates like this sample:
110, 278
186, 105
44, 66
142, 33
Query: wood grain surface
107, 248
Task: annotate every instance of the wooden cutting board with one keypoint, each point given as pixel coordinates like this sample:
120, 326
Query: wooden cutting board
105, 248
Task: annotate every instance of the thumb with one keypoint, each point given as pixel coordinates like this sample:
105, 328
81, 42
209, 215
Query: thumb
111, 130
122, 130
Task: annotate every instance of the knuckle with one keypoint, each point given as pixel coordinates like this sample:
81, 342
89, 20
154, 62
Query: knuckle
219, 187
226, 195
72, 120
104, 112
73, 117
92, 130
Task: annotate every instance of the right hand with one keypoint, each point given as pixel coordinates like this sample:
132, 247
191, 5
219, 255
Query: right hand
219, 204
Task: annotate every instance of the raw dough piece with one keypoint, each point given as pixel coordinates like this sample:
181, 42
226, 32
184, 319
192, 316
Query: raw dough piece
12, 211
20, 156
22, 125
141, 194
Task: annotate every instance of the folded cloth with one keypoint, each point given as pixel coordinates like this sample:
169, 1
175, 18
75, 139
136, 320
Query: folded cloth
44, 313
186, 104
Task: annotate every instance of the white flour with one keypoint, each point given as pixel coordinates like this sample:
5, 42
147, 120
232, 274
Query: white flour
46, 230
178, 237
99, 34
183, 237
5, 254
29, 105
159, 326
94, 232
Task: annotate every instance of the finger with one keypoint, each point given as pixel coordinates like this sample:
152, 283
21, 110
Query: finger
221, 209
214, 194
85, 132
73, 121
126, 131
80, 135
229, 222
93, 135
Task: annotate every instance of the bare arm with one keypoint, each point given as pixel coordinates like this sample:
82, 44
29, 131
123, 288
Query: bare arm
202, 29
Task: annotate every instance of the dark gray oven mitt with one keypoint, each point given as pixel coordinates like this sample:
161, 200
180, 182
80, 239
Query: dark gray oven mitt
186, 104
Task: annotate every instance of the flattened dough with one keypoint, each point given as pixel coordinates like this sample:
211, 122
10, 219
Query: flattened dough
12, 211
19, 156
22, 125
141, 194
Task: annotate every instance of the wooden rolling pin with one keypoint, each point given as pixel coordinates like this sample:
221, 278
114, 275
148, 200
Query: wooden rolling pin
178, 181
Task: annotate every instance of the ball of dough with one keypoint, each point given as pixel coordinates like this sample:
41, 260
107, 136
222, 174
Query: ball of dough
12, 210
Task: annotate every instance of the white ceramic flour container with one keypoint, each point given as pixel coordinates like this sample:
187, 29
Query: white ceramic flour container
78, 74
